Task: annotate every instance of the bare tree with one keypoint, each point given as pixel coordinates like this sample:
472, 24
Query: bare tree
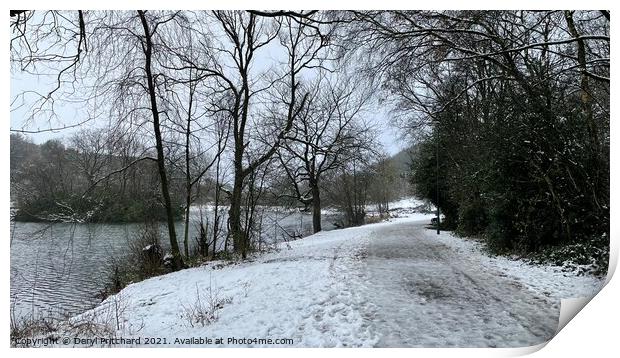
239, 90
50, 44
91, 153
411, 49
384, 184
117, 58
330, 131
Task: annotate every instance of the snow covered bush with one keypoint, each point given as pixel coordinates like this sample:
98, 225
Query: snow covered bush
589, 257
204, 309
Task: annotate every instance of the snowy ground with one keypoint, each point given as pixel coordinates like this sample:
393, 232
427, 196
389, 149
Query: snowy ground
392, 284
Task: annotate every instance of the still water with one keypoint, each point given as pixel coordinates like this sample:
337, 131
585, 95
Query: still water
58, 269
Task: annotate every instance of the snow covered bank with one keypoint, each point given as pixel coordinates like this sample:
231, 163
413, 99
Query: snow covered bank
394, 283
299, 293
551, 281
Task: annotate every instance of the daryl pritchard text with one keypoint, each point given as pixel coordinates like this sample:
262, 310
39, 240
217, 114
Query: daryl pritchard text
52, 341
111, 341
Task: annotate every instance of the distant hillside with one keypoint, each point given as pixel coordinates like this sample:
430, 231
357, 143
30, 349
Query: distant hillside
403, 159
401, 162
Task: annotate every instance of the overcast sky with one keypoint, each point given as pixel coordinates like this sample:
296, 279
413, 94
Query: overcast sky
69, 112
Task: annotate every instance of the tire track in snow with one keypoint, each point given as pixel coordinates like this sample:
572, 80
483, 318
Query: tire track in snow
431, 296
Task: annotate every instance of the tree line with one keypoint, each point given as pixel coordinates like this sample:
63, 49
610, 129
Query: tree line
510, 113
79, 182
509, 109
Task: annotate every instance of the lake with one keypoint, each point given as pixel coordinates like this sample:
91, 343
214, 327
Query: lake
58, 269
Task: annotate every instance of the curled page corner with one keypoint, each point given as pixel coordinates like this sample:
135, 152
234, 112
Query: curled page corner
569, 308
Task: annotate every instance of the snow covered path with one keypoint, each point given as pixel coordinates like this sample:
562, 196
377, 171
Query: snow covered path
392, 284
426, 294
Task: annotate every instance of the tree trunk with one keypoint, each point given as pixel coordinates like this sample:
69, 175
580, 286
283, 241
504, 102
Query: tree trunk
316, 209
586, 99
186, 228
188, 191
586, 105
565, 224
234, 216
216, 208
177, 262
188, 178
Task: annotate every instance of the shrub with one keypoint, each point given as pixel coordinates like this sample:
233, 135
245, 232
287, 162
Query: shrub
144, 259
204, 310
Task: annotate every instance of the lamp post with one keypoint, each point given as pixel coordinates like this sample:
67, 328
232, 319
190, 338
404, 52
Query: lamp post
437, 183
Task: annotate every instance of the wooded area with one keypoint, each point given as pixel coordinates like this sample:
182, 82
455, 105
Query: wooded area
507, 113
